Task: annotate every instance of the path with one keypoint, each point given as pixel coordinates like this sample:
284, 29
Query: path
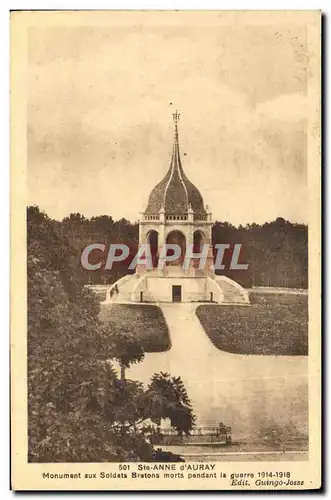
247, 392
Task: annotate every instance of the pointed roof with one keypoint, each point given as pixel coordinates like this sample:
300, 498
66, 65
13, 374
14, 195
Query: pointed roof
175, 193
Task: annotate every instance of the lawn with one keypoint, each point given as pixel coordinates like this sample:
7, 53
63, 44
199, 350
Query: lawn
145, 321
274, 324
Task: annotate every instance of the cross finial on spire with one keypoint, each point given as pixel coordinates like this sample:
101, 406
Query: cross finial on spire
176, 116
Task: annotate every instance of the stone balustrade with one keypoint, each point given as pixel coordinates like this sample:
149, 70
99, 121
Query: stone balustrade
188, 217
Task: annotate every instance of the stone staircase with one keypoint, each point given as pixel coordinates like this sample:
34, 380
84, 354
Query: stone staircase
127, 289
99, 290
124, 286
233, 292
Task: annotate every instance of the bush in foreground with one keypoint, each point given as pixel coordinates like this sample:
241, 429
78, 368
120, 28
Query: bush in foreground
78, 409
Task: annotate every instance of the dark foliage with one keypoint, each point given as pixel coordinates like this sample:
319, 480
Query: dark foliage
276, 252
81, 231
78, 409
167, 396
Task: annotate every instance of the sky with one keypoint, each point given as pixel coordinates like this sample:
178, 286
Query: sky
100, 131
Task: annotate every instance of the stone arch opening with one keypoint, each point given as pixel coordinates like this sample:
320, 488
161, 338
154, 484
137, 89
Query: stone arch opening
152, 239
198, 241
176, 238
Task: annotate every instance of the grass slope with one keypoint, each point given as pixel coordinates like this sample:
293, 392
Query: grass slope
274, 324
146, 322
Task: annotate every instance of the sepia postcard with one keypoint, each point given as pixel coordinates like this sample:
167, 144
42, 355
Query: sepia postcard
165, 242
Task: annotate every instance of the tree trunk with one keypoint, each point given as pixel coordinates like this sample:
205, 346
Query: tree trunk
122, 372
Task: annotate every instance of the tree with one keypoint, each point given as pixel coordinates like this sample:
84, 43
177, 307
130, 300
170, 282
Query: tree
78, 409
276, 252
126, 350
167, 398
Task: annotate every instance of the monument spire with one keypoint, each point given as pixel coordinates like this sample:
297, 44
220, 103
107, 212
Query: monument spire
175, 192
175, 117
